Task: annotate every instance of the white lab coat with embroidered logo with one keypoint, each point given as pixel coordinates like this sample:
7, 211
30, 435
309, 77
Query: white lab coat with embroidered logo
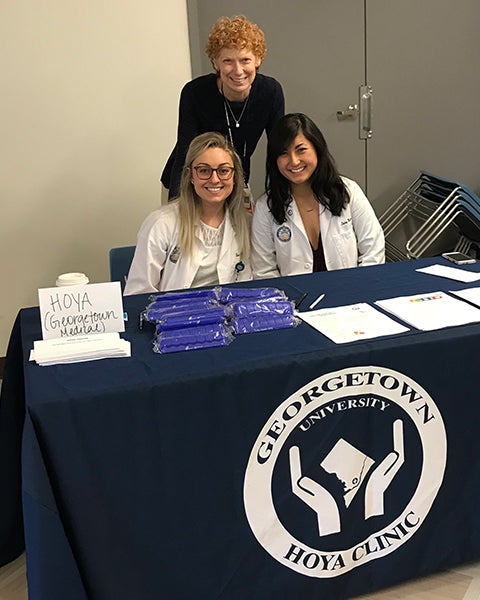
158, 264
354, 238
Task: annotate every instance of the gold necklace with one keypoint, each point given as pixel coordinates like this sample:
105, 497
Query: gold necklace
303, 207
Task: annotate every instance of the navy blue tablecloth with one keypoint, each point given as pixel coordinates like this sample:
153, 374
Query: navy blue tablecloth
145, 477
12, 414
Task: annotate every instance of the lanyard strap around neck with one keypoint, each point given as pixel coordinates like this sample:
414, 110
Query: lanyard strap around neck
229, 126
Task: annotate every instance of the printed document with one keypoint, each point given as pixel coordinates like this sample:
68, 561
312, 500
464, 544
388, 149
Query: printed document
434, 310
470, 294
79, 349
351, 323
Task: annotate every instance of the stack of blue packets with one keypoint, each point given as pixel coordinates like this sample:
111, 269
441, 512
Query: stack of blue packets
207, 318
258, 309
188, 321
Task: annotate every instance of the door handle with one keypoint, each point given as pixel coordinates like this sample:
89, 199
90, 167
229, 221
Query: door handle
365, 131
349, 113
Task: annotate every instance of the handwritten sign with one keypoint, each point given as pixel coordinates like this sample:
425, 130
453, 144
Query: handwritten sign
81, 310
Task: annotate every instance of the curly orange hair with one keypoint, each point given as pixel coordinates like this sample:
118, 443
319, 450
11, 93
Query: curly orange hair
236, 32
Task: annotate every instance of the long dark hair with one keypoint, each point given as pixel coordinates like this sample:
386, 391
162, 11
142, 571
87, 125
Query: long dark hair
326, 183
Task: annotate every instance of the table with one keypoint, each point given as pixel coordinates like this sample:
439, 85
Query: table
12, 416
280, 466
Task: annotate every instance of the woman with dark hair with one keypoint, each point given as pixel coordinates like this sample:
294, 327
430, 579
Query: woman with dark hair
234, 100
311, 218
203, 237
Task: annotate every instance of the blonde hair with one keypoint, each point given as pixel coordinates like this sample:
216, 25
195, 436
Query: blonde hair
235, 32
189, 203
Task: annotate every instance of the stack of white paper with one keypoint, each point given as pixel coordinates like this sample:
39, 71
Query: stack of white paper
450, 273
469, 294
431, 311
79, 349
351, 323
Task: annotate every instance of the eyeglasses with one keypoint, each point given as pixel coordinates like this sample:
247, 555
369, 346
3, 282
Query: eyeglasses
223, 173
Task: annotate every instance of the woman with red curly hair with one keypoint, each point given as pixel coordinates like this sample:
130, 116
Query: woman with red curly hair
235, 100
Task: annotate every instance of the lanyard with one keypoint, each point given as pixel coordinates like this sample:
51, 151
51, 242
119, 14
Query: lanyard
229, 126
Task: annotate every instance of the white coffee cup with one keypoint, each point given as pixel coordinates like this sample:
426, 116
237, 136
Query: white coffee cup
72, 279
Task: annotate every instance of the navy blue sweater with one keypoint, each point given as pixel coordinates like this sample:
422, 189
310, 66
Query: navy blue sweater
202, 109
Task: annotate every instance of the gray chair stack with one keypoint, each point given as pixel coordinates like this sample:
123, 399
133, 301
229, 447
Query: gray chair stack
433, 215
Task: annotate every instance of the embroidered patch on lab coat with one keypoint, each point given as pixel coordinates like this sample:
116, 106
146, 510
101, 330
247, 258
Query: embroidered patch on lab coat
284, 233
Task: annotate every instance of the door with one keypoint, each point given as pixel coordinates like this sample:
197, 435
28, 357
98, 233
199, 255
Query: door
422, 63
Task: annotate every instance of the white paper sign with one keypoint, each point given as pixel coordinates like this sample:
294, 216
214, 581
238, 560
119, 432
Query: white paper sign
75, 310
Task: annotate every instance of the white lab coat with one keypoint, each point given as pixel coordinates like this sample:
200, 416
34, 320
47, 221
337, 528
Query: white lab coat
158, 264
355, 238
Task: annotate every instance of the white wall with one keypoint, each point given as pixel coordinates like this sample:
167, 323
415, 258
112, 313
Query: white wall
88, 118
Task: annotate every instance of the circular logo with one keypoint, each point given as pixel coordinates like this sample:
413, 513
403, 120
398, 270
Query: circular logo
284, 233
345, 470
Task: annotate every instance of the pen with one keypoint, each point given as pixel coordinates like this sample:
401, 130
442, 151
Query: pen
300, 300
315, 302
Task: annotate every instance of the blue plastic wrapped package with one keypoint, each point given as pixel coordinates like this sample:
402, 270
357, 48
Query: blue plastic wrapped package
154, 312
259, 322
232, 295
174, 297
192, 338
268, 307
192, 318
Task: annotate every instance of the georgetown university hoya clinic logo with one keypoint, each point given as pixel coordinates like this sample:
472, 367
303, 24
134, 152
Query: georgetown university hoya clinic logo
345, 470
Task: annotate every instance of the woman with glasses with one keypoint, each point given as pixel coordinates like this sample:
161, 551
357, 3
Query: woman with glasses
203, 237
311, 218
234, 100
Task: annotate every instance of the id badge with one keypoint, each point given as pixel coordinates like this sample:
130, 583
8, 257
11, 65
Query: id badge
248, 199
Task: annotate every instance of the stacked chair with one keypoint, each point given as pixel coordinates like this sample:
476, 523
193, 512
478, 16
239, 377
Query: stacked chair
433, 215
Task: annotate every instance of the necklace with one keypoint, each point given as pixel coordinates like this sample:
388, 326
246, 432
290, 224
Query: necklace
305, 204
228, 108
